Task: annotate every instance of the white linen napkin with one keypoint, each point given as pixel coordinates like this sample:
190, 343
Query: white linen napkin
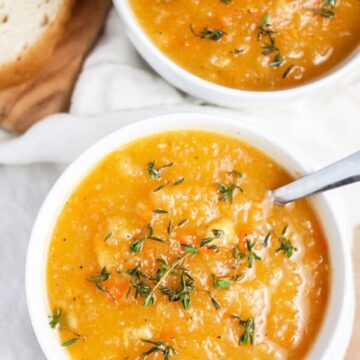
115, 88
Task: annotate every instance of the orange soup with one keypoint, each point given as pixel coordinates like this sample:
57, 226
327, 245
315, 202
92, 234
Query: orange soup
252, 44
170, 248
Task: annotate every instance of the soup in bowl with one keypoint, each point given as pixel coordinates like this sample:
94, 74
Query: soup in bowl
161, 242
248, 46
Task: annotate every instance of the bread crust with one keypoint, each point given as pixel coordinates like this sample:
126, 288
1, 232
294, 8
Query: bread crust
31, 60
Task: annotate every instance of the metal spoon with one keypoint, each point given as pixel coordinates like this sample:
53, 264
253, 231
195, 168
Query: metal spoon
342, 172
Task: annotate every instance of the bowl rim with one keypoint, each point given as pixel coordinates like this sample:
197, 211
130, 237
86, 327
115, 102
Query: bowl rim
205, 89
340, 313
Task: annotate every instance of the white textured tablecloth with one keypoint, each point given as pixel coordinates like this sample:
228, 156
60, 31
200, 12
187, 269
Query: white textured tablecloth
115, 88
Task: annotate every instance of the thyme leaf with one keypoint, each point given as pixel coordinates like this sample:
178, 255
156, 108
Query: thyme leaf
180, 181
214, 301
54, 319
221, 283
108, 235
249, 330
207, 33
155, 172
159, 346
71, 341
216, 235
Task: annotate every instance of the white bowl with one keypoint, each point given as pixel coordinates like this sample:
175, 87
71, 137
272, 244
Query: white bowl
211, 92
336, 329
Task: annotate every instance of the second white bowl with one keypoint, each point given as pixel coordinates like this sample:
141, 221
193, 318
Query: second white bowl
213, 93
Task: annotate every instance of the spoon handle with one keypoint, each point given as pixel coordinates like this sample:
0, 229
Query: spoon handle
342, 172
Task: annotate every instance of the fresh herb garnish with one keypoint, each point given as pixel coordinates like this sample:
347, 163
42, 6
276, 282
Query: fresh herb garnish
227, 193
250, 255
183, 291
148, 234
266, 239
237, 51
155, 172
226, 2
269, 46
71, 341
159, 346
182, 223
54, 319
108, 235
190, 249
100, 278
171, 227
222, 283
137, 282
207, 33
217, 234
178, 182
249, 330
286, 245
278, 60
160, 187
325, 13
327, 9
160, 211
288, 71
214, 301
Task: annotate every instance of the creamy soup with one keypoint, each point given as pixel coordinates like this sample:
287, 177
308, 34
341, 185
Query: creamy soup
170, 248
252, 44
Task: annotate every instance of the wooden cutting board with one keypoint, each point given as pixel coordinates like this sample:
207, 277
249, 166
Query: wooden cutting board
49, 91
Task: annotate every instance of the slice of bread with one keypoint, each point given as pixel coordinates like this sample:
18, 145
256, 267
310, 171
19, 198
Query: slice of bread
29, 30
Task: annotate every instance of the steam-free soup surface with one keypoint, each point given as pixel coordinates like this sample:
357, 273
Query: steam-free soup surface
252, 44
182, 220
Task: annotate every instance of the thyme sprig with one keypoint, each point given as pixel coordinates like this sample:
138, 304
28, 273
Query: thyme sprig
155, 172
207, 33
137, 282
98, 280
227, 192
286, 245
250, 255
159, 346
147, 234
269, 47
217, 234
54, 318
249, 330
181, 293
